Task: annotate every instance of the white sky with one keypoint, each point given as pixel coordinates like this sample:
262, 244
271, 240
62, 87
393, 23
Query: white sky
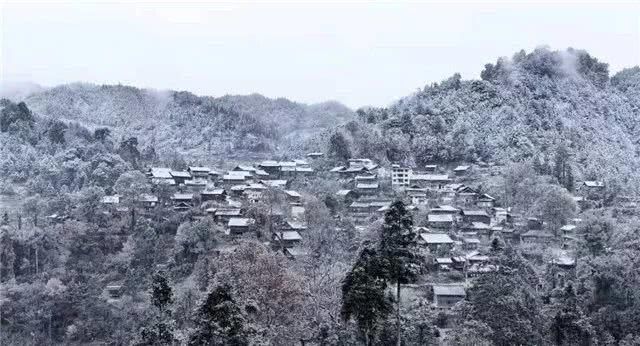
356, 52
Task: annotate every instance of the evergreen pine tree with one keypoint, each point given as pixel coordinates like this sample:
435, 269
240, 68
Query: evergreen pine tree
219, 321
397, 251
363, 294
161, 292
339, 147
569, 183
160, 332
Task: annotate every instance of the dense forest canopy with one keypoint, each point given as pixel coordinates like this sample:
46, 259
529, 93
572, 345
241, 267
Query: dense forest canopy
524, 107
78, 268
193, 125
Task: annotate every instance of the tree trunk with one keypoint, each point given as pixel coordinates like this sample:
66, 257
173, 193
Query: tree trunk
36, 259
398, 341
50, 340
133, 219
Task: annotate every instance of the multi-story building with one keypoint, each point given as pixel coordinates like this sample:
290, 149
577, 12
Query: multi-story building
400, 176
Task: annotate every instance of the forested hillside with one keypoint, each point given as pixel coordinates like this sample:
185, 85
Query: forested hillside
525, 107
186, 123
208, 248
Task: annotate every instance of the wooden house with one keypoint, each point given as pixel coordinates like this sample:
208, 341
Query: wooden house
199, 172
446, 296
213, 195
485, 201
223, 215
347, 196
436, 241
287, 239
180, 176
440, 221
239, 225
470, 216
293, 196
148, 201
461, 170
367, 188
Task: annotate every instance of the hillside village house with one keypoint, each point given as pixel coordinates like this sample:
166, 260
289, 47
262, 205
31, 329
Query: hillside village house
214, 176
297, 211
180, 176
161, 176
182, 201
295, 252
591, 190
440, 221
148, 201
481, 229
198, 172
444, 263
445, 209
285, 169
195, 185
235, 178
485, 201
239, 225
430, 181
223, 215
430, 168
436, 241
244, 168
591, 185
356, 167
461, 170
110, 200
537, 237
270, 166
568, 230
294, 225
275, 183
293, 196
347, 196
446, 296
254, 192
417, 196
466, 195
471, 243
237, 190
213, 195
470, 216
287, 239
367, 188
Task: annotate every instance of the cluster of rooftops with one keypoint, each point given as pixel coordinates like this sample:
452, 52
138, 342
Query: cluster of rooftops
464, 219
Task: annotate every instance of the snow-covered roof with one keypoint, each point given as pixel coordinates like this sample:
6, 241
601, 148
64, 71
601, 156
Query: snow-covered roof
430, 177
449, 290
292, 193
199, 169
182, 196
288, 235
161, 173
440, 218
239, 222
436, 238
181, 174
